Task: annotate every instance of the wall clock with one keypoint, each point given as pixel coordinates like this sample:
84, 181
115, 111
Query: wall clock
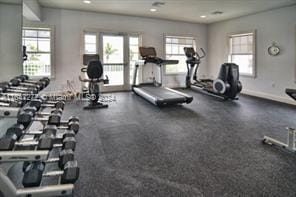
274, 50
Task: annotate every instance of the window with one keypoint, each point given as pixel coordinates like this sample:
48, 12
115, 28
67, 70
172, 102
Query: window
38, 44
174, 49
242, 52
134, 43
90, 43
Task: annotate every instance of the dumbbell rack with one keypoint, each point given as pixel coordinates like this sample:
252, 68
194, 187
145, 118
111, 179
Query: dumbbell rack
52, 190
8, 159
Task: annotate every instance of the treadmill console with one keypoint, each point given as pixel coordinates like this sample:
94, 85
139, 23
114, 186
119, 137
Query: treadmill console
149, 55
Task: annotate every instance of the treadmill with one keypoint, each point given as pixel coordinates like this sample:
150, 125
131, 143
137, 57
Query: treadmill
154, 92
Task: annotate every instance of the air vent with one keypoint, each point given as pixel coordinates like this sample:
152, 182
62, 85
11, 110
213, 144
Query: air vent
217, 12
158, 4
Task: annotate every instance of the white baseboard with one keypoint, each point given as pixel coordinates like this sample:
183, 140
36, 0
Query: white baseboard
269, 97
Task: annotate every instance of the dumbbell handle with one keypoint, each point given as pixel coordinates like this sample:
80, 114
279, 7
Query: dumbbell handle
34, 143
18, 88
53, 173
24, 155
43, 113
3, 104
28, 84
41, 119
48, 105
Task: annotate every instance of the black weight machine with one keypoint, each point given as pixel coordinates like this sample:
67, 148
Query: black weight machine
227, 84
93, 71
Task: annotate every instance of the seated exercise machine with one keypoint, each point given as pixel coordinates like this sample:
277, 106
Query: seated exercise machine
94, 71
154, 92
226, 86
291, 135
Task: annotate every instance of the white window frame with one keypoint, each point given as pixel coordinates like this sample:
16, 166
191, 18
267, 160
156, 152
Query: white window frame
254, 67
52, 49
165, 52
97, 40
98, 33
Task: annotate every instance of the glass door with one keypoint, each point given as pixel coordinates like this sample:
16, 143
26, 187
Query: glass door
118, 53
113, 57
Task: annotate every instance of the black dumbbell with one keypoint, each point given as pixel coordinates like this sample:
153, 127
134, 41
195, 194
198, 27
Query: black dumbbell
64, 157
36, 112
26, 118
45, 79
11, 103
34, 173
45, 141
39, 103
71, 124
43, 82
19, 130
18, 82
39, 84
6, 88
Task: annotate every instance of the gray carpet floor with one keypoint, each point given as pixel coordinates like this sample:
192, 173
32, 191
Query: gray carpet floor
206, 148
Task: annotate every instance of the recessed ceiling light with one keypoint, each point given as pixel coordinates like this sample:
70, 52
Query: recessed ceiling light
87, 1
153, 10
203, 16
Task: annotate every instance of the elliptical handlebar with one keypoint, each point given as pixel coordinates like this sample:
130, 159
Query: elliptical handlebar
202, 55
105, 81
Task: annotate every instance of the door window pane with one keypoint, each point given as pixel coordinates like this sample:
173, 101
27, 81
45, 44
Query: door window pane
113, 53
44, 45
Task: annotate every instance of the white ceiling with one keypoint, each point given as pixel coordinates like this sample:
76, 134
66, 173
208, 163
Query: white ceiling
11, 1
180, 10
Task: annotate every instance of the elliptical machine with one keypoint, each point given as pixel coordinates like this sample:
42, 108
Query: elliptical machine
94, 71
226, 86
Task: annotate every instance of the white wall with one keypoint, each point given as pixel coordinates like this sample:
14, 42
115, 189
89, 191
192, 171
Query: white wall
274, 74
10, 41
69, 26
32, 10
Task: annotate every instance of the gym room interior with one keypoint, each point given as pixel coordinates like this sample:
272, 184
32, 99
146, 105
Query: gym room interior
147, 98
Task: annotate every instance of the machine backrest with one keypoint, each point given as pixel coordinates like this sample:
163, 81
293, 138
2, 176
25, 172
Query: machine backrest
229, 72
94, 69
189, 52
88, 57
147, 52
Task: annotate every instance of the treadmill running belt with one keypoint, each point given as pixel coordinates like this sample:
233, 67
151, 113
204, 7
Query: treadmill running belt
162, 93
162, 96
